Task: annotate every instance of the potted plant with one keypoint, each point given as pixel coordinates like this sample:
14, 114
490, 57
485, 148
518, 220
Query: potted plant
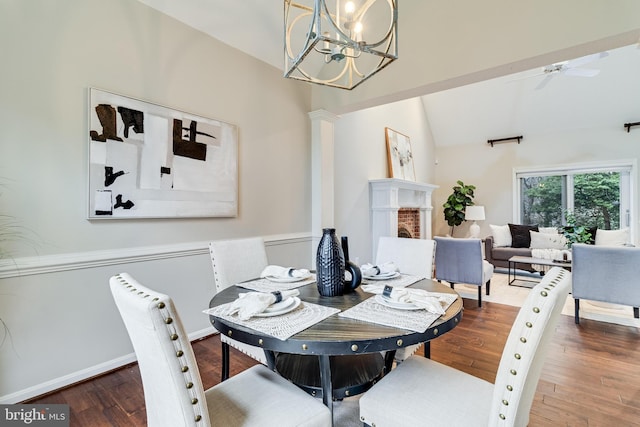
574, 233
457, 202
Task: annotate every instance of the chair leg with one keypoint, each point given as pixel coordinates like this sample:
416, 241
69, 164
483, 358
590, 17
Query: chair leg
636, 312
225, 362
479, 296
488, 286
427, 349
576, 303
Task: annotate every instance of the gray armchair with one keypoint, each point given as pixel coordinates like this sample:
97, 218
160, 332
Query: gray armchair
461, 261
606, 274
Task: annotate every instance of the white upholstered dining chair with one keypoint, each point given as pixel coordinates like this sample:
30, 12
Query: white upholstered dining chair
236, 261
173, 390
444, 396
411, 256
461, 261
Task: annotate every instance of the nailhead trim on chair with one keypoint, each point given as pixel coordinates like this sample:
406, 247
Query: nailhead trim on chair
517, 360
173, 336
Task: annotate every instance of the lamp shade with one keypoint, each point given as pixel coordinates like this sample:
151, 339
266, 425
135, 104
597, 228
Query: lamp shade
474, 213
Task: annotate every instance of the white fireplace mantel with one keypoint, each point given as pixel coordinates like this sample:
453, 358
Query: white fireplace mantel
387, 196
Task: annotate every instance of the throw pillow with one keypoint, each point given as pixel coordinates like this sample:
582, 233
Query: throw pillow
612, 237
520, 237
549, 230
501, 236
547, 241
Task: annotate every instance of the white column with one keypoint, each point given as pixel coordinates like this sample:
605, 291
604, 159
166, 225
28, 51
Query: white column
322, 174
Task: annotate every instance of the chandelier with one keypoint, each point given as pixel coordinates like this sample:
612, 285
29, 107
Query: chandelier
339, 43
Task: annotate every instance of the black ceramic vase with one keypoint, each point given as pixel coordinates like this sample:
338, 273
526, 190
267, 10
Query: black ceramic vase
350, 268
330, 264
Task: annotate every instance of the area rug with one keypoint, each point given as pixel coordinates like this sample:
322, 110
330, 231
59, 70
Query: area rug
502, 293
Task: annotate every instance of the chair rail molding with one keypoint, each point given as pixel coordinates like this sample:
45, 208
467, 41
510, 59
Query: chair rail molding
387, 196
25, 266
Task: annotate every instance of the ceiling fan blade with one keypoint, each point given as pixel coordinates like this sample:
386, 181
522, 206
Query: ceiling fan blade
581, 72
586, 59
544, 81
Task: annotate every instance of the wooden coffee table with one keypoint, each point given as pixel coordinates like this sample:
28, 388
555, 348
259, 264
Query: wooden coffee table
530, 260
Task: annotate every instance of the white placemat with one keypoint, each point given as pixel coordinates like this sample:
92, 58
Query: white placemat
266, 285
401, 281
283, 326
414, 320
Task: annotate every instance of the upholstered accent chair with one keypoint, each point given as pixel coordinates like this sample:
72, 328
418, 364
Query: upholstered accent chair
461, 261
173, 390
607, 274
411, 256
236, 261
444, 396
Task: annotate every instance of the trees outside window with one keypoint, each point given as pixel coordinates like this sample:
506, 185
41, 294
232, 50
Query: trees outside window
597, 197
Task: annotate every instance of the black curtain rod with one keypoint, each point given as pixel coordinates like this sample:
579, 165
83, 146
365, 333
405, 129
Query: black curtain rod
513, 138
628, 126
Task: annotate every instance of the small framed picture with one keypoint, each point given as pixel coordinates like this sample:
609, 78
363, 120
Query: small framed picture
399, 156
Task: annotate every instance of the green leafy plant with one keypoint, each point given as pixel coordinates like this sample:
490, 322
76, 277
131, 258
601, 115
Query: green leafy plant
457, 202
574, 233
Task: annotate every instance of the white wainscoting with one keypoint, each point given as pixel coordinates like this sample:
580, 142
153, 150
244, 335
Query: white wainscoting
64, 326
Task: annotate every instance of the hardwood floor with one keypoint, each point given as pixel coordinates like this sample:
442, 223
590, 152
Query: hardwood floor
591, 376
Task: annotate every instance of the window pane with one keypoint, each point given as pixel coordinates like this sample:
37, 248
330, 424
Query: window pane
597, 200
542, 200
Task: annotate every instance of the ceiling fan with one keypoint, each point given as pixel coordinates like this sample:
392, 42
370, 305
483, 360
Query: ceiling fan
569, 68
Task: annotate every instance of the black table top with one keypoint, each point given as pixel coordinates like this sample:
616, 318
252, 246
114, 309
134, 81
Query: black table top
339, 335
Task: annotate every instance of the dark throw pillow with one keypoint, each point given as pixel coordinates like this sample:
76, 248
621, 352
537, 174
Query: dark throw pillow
520, 237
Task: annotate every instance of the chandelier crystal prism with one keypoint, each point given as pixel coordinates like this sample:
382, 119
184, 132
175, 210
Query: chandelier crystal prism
339, 43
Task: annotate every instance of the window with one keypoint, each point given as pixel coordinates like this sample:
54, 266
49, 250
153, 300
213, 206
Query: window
598, 196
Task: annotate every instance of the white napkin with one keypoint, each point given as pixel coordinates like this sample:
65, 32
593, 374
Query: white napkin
283, 272
251, 303
374, 270
419, 297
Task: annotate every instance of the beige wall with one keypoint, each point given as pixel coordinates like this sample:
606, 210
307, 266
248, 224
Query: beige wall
54, 51
55, 298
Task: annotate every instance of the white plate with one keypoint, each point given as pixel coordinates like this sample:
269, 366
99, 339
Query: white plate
278, 306
386, 276
288, 279
291, 307
380, 299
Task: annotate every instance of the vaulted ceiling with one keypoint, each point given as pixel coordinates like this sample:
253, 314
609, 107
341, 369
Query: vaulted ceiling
519, 104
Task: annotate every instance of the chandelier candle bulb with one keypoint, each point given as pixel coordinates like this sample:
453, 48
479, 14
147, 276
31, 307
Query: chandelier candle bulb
366, 40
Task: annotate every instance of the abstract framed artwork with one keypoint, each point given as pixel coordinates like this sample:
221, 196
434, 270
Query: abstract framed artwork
399, 155
150, 161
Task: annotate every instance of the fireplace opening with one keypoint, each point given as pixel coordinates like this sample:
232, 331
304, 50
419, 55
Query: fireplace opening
409, 223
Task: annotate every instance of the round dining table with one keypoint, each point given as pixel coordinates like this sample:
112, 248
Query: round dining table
338, 356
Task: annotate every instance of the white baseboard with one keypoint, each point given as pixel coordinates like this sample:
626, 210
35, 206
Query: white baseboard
79, 376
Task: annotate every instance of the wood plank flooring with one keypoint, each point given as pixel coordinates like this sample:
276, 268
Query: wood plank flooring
590, 378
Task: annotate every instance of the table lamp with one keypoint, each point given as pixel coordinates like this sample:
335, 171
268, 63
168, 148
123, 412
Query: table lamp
474, 213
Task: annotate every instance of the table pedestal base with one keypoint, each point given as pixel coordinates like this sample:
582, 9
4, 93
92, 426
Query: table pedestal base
350, 375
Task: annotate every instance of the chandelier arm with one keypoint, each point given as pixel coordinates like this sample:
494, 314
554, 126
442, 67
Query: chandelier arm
327, 42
